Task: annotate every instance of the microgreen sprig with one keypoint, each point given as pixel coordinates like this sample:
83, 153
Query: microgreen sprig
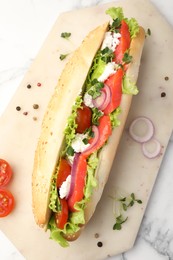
63, 56
125, 203
107, 55
65, 35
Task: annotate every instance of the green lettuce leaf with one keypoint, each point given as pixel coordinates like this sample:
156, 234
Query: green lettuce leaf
76, 218
95, 71
91, 180
114, 117
117, 16
54, 203
115, 13
70, 130
129, 87
133, 27
70, 228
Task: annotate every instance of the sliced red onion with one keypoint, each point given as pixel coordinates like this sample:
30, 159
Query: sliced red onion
149, 133
155, 152
107, 90
104, 99
73, 174
96, 138
99, 101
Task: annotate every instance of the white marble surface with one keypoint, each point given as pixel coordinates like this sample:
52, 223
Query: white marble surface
24, 24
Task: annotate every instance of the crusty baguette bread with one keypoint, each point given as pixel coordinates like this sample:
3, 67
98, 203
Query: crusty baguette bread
55, 119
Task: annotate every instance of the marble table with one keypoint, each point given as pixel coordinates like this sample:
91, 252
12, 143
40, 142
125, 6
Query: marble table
23, 27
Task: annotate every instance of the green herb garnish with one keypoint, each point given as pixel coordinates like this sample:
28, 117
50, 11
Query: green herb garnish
127, 58
96, 115
107, 55
85, 141
119, 221
95, 89
115, 26
89, 132
148, 32
65, 35
63, 56
125, 203
70, 151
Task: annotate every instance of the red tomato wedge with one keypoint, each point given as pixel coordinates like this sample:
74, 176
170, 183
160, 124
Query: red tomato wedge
105, 130
115, 84
6, 202
61, 217
63, 173
124, 42
79, 183
83, 120
5, 173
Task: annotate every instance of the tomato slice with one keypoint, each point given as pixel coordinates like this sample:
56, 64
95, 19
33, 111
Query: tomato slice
84, 119
63, 172
114, 82
5, 173
6, 202
61, 217
78, 191
124, 44
105, 130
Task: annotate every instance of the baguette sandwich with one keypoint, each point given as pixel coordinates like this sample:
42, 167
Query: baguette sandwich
82, 126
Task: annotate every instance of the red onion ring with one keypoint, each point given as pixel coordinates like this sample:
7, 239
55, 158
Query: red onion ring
73, 174
95, 139
104, 99
107, 90
99, 101
155, 152
150, 130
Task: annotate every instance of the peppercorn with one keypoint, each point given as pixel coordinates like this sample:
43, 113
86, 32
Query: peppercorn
28, 86
163, 94
25, 113
18, 108
99, 244
35, 106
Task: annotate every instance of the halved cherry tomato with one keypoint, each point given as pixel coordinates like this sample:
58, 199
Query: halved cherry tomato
78, 191
124, 42
6, 202
84, 119
115, 84
61, 217
105, 130
5, 173
63, 173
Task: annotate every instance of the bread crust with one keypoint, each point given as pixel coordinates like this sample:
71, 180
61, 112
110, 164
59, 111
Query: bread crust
54, 121
49, 144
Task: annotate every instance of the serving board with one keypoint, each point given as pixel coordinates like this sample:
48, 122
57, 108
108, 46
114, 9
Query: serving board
131, 171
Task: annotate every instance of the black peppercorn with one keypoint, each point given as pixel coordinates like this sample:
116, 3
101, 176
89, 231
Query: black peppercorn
28, 86
18, 108
163, 94
99, 244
